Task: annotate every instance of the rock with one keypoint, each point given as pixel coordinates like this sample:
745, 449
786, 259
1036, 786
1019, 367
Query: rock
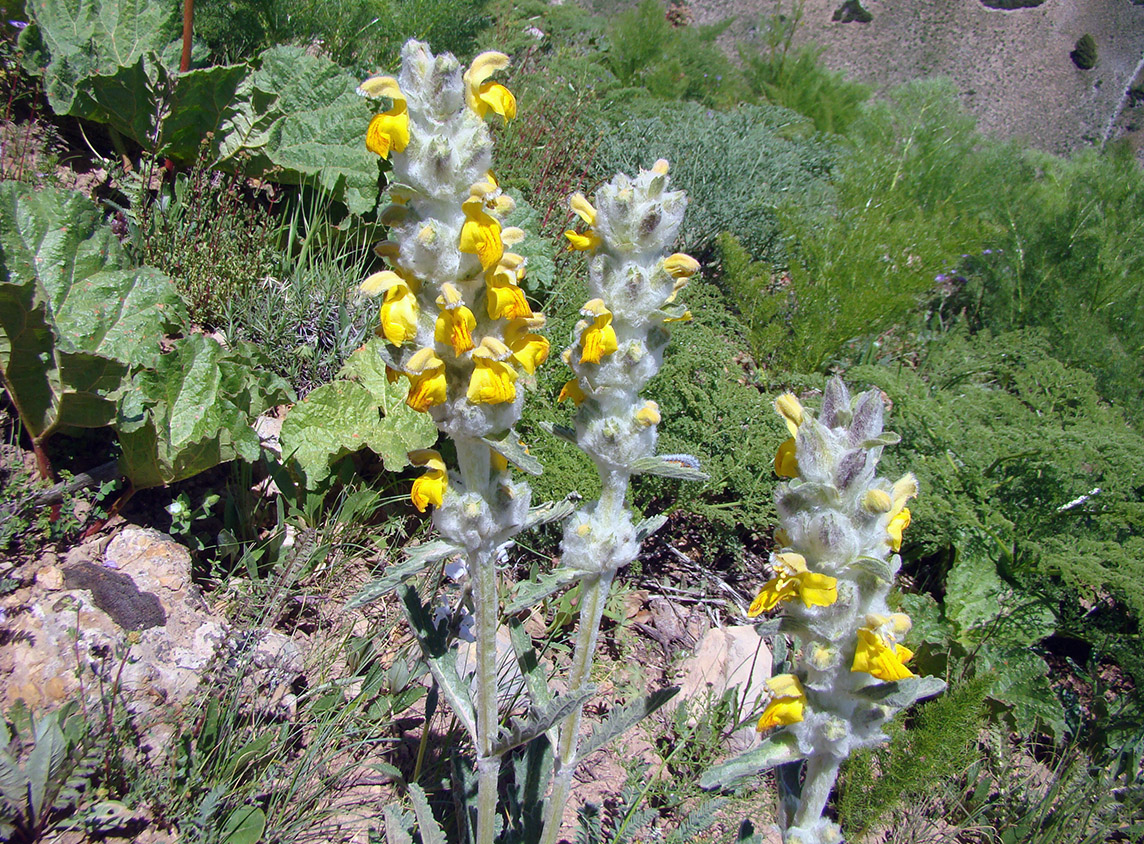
729, 657
133, 616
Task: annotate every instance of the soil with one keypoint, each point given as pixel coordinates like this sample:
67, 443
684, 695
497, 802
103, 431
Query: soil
1012, 67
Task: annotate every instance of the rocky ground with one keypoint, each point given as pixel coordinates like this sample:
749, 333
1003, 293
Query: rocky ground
1012, 67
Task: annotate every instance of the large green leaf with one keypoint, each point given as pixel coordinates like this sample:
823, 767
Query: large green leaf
344, 416
69, 41
73, 316
193, 411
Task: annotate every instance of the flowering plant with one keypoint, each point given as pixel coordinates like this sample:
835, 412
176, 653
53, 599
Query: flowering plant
840, 530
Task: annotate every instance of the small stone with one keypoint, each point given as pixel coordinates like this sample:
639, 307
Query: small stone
51, 578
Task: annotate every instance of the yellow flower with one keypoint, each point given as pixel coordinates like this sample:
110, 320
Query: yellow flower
492, 381
589, 240
399, 308
388, 131
482, 96
787, 703
599, 338
790, 409
480, 234
456, 323
648, 415
897, 524
505, 298
877, 501
680, 265
793, 580
430, 487
881, 658
427, 386
528, 349
572, 390
786, 460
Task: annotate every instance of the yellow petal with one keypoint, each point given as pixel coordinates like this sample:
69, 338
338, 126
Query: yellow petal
786, 461
382, 86
790, 563
399, 314
455, 327
530, 350
572, 390
505, 299
388, 132
492, 382
648, 414
896, 526
587, 242
380, 282
598, 339
788, 704
582, 208
482, 96
680, 265
480, 234
873, 656
817, 590
790, 408
774, 590
427, 385
496, 97
430, 489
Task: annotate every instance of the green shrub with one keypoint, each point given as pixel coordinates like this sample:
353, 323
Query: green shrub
736, 167
1084, 53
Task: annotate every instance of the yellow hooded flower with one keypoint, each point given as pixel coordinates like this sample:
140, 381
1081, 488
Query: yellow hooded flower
648, 415
680, 265
480, 233
589, 240
904, 489
482, 96
456, 322
787, 703
505, 299
786, 460
399, 309
388, 131
492, 381
528, 349
881, 658
572, 390
430, 487
598, 338
793, 580
790, 409
427, 386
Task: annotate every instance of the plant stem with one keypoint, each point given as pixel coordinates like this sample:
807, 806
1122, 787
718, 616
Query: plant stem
594, 590
473, 461
821, 772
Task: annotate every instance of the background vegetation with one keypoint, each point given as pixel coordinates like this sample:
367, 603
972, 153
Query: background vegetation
991, 291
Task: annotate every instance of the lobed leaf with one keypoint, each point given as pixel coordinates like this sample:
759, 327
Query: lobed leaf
621, 718
778, 749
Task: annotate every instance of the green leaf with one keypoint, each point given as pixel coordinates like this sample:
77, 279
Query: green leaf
44, 763
778, 749
73, 316
396, 831
509, 446
903, 693
441, 658
245, 825
540, 719
69, 41
13, 782
683, 467
394, 576
531, 592
1021, 684
535, 678
342, 417
431, 832
621, 718
194, 411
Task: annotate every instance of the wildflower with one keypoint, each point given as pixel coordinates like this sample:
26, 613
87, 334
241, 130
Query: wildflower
430, 487
482, 96
528, 349
590, 240
505, 298
399, 308
493, 378
480, 234
456, 323
787, 702
793, 580
786, 460
389, 131
790, 409
599, 338
427, 385
572, 390
904, 489
648, 414
879, 657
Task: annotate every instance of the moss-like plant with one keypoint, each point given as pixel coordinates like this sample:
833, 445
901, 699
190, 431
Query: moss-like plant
1084, 54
